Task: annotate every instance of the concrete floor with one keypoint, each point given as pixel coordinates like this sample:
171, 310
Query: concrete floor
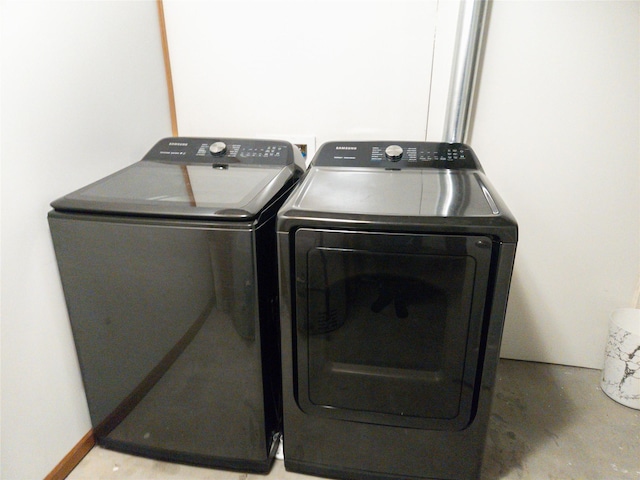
547, 422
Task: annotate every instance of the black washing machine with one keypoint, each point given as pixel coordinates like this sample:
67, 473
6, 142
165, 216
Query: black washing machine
395, 266
170, 278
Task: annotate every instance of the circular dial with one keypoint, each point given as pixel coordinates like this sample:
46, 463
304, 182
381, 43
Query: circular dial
394, 152
218, 148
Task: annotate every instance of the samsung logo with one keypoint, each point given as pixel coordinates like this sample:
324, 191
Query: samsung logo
346, 148
175, 144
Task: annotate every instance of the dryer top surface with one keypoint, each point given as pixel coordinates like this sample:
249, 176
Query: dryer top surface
413, 193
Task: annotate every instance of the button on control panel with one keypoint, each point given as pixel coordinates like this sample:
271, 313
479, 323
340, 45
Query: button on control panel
218, 148
399, 155
393, 152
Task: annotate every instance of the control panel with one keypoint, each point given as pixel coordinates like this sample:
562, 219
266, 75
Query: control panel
221, 151
397, 155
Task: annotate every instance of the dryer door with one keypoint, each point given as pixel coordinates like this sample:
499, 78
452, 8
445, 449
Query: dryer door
388, 326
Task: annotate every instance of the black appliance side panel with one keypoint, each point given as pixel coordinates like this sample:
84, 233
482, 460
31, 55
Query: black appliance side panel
166, 324
268, 292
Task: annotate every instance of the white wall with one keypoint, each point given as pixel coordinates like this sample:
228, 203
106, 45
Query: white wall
83, 94
331, 70
556, 125
557, 128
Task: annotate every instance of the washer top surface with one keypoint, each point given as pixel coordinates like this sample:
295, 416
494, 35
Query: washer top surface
231, 179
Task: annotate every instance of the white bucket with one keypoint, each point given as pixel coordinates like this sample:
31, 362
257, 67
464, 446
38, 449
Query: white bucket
621, 372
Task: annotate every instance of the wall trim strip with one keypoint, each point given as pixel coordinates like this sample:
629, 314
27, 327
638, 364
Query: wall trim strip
73, 458
167, 69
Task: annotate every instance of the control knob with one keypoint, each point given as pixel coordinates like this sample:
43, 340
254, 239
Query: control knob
394, 152
218, 148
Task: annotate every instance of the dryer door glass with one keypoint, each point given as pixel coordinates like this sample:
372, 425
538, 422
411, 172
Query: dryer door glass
389, 325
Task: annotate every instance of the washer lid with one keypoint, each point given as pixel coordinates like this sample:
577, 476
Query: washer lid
180, 185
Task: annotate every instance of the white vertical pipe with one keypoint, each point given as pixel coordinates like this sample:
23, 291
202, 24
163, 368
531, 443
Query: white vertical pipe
463, 72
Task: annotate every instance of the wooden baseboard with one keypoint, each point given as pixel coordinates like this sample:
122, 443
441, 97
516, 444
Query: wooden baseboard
72, 458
